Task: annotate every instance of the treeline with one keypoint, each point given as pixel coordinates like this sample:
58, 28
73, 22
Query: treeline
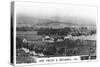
51, 31
59, 31
24, 28
66, 31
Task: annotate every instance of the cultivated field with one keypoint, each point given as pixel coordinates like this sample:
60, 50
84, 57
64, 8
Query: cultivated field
67, 47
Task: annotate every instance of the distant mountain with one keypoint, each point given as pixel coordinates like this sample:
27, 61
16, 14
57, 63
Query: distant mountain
25, 20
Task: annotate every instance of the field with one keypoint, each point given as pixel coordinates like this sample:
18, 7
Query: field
67, 47
29, 35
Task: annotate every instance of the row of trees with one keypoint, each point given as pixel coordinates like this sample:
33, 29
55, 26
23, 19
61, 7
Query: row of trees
24, 28
60, 31
51, 31
66, 31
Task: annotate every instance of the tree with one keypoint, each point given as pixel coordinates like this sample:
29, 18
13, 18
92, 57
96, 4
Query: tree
39, 49
18, 42
50, 50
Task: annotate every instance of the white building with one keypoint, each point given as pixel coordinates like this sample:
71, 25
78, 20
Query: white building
48, 39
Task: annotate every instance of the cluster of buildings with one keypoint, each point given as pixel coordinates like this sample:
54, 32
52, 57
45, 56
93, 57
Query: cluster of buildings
50, 39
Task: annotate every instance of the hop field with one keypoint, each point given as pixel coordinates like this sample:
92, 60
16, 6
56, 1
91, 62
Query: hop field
45, 49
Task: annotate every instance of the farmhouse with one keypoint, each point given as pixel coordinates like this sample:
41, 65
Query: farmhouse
59, 39
48, 39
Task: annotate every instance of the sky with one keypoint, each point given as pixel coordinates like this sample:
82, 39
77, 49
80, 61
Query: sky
56, 11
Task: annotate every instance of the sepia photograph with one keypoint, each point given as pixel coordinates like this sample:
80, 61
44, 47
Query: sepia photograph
45, 30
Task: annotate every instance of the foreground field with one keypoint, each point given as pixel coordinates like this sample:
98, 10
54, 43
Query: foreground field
39, 48
65, 48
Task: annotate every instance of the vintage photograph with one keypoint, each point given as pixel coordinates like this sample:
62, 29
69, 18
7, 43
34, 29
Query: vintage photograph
54, 30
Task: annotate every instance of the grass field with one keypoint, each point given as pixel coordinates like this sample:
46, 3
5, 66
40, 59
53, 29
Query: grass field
29, 35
